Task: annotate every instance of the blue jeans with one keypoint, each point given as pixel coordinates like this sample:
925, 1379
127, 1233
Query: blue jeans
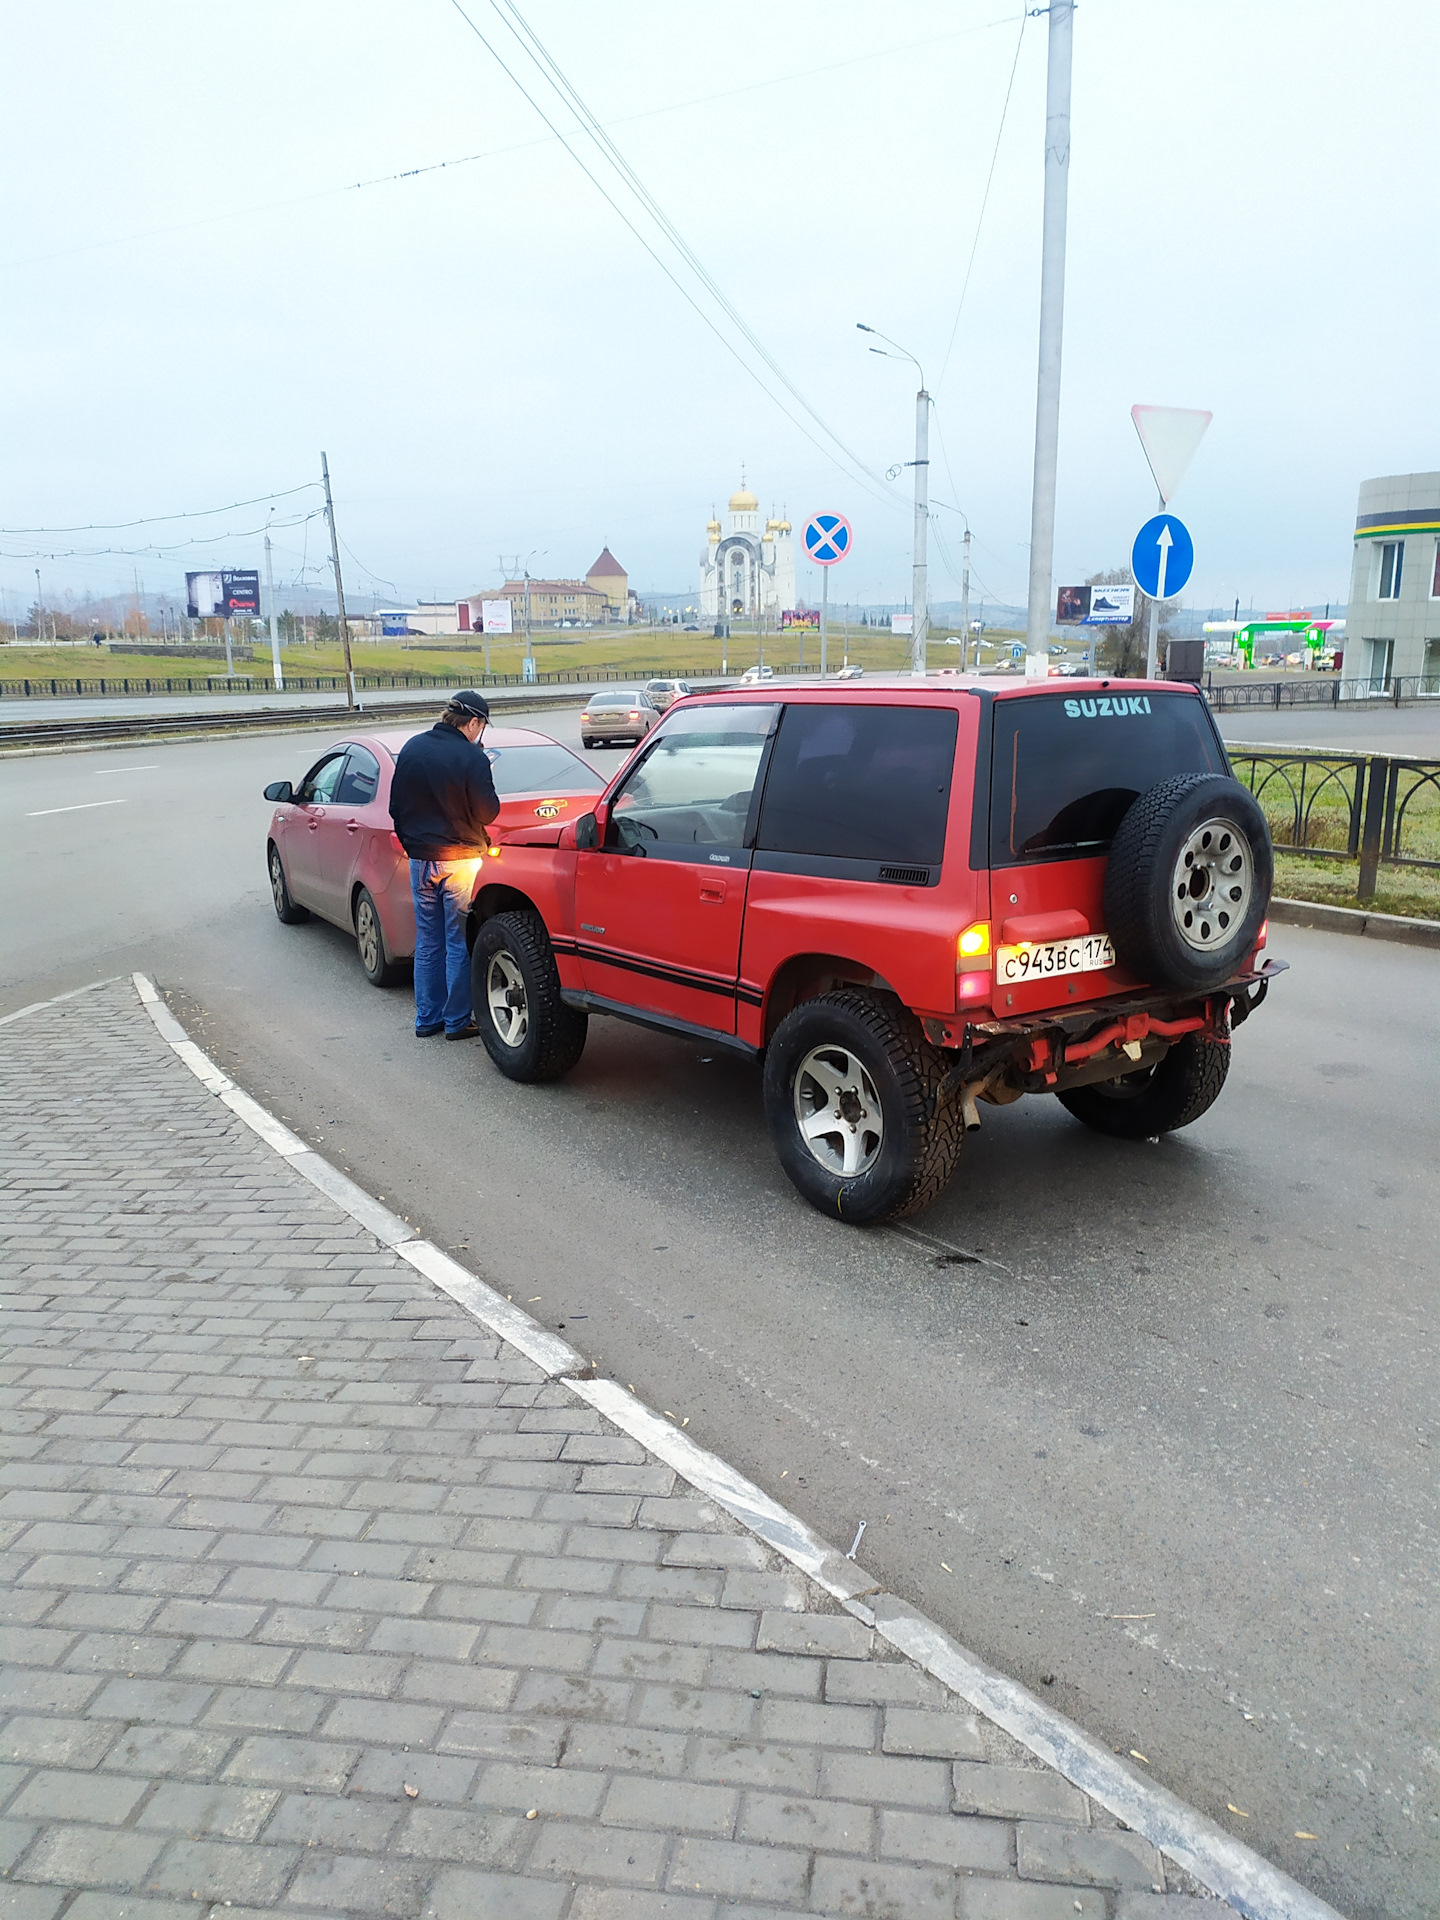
442, 890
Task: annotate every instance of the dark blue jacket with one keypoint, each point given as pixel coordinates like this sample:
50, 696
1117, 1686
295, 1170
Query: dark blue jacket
442, 796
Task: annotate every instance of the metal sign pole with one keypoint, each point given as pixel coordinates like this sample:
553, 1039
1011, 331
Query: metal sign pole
339, 583
1052, 321
1153, 645
274, 630
824, 619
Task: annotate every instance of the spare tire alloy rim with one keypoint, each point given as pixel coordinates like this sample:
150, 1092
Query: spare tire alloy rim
505, 996
837, 1110
368, 932
1212, 885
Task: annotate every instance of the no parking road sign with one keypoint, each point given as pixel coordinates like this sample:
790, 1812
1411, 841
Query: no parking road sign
1163, 556
827, 538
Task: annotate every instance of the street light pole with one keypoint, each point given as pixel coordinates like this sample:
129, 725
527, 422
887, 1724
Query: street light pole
1052, 319
965, 610
920, 595
274, 630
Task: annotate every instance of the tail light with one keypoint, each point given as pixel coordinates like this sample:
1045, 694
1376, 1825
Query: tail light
972, 945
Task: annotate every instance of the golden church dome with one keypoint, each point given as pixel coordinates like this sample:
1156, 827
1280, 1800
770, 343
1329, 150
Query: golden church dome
744, 501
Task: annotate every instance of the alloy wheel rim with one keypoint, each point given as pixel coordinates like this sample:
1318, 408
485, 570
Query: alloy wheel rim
1212, 885
506, 999
838, 1112
277, 881
369, 937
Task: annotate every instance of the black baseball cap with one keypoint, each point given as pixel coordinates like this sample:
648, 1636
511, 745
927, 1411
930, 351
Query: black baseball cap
471, 703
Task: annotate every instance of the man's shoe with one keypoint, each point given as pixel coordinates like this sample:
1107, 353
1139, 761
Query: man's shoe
428, 1033
462, 1033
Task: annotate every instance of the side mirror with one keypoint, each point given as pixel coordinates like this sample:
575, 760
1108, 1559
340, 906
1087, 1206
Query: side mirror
587, 832
279, 790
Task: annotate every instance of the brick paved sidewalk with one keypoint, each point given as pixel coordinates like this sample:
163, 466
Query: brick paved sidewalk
319, 1598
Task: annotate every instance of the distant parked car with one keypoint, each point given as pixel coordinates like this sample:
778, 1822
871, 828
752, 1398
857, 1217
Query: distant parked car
664, 693
617, 718
690, 629
752, 676
853, 672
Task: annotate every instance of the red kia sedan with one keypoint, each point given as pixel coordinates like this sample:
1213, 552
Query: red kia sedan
332, 849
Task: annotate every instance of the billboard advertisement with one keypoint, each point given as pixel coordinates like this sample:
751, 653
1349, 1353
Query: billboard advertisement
216, 596
902, 623
1095, 606
496, 616
807, 622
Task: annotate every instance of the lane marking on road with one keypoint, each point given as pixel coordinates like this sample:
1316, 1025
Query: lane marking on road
1251, 1885
36, 1006
152, 766
81, 806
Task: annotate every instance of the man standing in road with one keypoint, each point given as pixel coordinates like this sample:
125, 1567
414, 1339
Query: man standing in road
442, 798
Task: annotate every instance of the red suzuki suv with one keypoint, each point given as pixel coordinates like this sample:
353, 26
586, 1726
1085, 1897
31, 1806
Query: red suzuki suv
906, 900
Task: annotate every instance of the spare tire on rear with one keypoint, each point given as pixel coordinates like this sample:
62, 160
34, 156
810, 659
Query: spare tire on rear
1189, 879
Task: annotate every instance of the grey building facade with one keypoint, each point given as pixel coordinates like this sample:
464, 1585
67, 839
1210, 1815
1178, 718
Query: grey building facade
1392, 624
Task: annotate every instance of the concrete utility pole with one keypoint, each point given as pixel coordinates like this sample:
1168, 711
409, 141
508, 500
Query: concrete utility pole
1052, 320
274, 630
965, 610
339, 583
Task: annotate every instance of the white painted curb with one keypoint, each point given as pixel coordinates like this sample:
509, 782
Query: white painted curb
1216, 1859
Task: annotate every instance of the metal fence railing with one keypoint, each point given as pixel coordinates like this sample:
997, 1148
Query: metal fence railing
1379, 809
1399, 690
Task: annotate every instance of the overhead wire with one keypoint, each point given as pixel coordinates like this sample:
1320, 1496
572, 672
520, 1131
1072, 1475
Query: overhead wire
162, 519
871, 483
159, 548
532, 44
984, 199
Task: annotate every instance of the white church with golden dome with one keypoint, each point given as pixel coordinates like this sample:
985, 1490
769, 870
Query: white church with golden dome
746, 570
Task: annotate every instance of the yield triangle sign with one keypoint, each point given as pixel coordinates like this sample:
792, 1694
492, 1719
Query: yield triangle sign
1170, 436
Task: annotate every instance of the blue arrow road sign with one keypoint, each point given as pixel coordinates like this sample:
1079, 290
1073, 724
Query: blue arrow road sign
1017, 653
1163, 557
827, 538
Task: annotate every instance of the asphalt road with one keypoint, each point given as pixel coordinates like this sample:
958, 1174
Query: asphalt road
1153, 1428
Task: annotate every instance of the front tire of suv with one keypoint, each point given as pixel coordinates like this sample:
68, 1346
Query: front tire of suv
1188, 882
528, 1030
1158, 1099
851, 1090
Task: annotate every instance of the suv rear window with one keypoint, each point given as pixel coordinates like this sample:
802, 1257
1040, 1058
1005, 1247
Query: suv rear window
1065, 770
860, 783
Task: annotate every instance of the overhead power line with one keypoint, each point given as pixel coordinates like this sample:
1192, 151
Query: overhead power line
161, 519
558, 83
158, 549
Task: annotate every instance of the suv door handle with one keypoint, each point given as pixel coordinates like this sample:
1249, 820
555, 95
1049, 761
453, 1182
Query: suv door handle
352, 826
712, 889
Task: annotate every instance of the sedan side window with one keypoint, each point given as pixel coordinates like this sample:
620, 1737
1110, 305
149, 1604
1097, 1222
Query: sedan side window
318, 786
360, 780
694, 787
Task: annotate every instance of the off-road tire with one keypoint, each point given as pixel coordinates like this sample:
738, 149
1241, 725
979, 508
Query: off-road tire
555, 1034
1145, 858
375, 962
1159, 1099
286, 911
922, 1138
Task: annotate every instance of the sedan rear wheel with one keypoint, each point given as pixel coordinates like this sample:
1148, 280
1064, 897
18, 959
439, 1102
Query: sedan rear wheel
380, 969
286, 911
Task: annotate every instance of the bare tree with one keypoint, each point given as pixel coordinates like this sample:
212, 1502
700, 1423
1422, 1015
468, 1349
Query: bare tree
1123, 650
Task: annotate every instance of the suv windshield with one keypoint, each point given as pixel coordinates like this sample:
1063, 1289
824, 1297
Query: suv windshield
1065, 771
533, 769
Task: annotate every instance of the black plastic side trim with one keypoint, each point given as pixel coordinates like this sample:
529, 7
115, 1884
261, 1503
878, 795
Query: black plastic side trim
824, 866
657, 970
659, 1022
980, 808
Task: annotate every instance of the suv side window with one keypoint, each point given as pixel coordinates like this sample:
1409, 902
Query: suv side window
695, 786
860, 783
318, 786
360, 779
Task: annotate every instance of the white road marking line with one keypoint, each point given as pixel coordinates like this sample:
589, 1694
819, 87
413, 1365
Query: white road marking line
81, 806
151, 766
1220, 1862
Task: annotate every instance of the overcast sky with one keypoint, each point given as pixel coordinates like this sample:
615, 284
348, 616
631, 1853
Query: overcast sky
198, 298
